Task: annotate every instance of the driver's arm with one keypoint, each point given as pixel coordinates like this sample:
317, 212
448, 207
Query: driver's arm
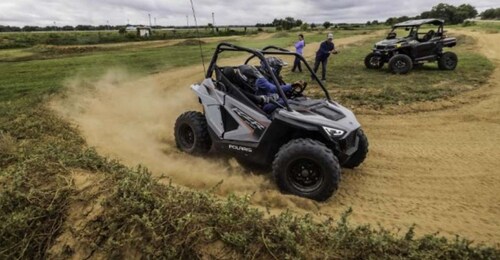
265, 87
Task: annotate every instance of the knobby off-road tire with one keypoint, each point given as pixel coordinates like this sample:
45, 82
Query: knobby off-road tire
307, 168
191, 133
360, 155
370, 61
400, 64
448, 61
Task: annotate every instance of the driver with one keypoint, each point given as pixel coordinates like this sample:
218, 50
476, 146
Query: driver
266, 90
276, 65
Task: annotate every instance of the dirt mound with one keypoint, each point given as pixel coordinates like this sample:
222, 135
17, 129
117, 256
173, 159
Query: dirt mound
190, 42
436, 169
64, 50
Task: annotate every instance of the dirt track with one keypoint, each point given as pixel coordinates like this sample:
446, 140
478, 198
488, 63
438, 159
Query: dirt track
440, 170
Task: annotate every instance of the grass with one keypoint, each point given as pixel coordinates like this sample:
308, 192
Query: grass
487, 26
44, 73
349, 82
39, 152
30, 39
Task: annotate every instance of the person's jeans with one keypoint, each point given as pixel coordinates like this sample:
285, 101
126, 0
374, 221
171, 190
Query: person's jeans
296, 65
270, 107
323, 67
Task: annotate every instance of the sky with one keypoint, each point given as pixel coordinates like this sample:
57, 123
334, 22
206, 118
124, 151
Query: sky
227, 12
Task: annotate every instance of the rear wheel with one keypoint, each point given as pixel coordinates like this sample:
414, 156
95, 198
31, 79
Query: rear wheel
400, 64
448, 61
191, 133
360, 155
373, 61
307, 168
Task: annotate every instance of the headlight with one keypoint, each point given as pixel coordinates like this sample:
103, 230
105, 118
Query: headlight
332, 132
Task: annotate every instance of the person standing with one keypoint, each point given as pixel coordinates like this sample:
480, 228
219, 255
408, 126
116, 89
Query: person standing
299, 48
325, 49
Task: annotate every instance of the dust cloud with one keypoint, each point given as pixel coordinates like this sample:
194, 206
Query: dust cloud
132, 119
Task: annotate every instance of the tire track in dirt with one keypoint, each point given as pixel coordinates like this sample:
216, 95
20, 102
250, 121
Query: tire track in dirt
439, 170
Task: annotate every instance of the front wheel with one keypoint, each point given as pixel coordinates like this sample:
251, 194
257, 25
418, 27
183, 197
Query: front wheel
360, 155
373, 61
400, 64
191, 133
448, 61
307, 168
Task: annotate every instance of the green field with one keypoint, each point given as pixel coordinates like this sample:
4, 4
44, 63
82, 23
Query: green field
33, 71
40, 154
30, 39
352, 84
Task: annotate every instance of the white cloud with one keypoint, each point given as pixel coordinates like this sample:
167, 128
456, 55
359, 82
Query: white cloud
173, 12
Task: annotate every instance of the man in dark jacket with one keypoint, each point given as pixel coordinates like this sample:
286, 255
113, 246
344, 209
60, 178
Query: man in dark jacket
325, 49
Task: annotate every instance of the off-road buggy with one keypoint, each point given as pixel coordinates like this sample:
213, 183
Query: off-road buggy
404, 53
305, 141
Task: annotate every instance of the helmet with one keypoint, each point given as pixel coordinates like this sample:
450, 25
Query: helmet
275, 63
249, 72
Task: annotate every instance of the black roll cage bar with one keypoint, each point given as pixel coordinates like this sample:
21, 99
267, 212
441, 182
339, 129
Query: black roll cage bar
269, 50
416, 28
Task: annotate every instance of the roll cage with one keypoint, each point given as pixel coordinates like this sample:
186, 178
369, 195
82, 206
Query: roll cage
260, 54
414, 25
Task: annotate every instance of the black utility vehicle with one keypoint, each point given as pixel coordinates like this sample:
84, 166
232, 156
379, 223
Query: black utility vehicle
422, 44
305, 141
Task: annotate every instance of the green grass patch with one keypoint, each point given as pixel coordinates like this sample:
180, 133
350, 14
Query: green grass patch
350, 83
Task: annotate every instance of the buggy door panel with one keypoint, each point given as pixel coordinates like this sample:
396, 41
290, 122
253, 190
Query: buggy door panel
251, 123
424, 49
212, 100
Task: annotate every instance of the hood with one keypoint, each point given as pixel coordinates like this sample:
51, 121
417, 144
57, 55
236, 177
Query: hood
322, 113
390, 42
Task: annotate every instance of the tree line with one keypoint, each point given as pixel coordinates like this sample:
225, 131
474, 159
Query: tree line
449, 13
29, 28
491, 14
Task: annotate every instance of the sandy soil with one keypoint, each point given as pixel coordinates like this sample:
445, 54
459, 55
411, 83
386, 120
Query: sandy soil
438, 169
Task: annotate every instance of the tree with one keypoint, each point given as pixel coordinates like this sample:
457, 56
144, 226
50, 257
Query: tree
304, 27
68, 28
368, 23
287, 23
468, 10
313, 26
327, 24
375, 22
426, 15
390, 21
491, 14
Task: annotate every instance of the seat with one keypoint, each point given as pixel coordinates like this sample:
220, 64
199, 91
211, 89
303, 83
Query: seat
235, 91
429, 35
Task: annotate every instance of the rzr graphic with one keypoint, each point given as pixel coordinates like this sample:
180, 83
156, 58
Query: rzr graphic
306, 141
251, 122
